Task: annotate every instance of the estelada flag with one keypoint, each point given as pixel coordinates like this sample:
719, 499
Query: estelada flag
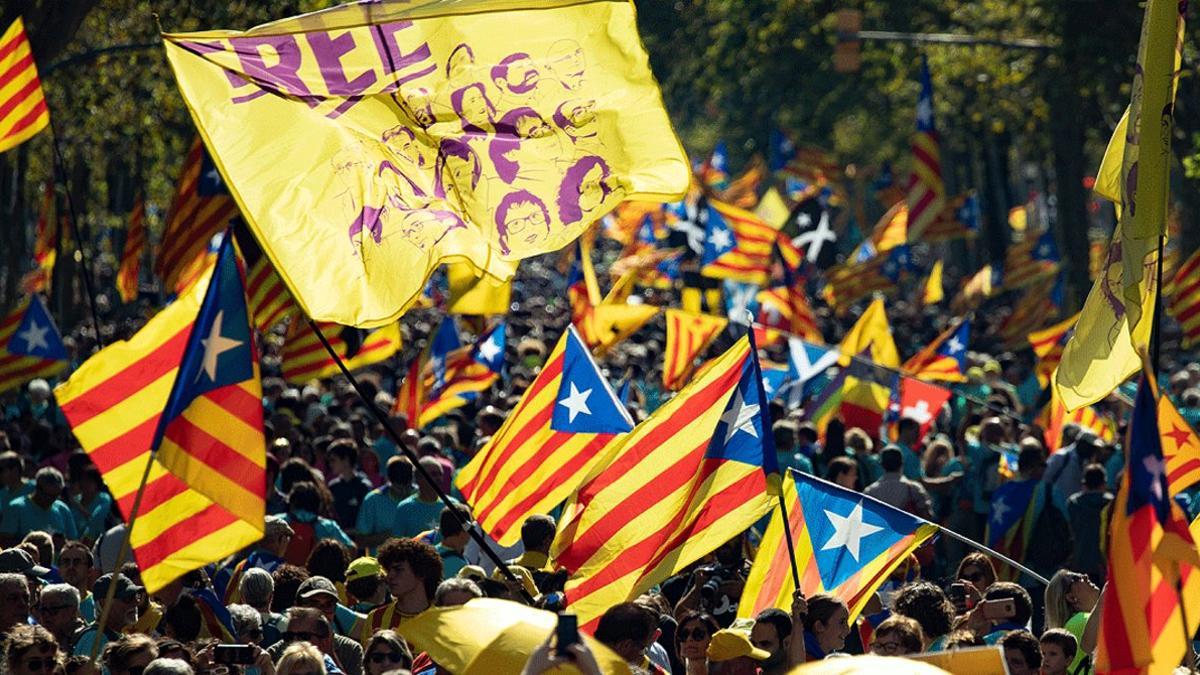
368, 143
187, 384
688, 335
30, 345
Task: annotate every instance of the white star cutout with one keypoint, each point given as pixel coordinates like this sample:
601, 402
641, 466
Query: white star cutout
35, 336
1154, 467
1044, 251
849, 531
722, 240
213, 175
740, 417
577, 402
954, 345
489, 350
804, 220
215, 345
924, 111
999, 510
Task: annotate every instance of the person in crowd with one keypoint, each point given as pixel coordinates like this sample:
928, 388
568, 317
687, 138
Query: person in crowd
731, 653
452, 538
40, 510
304, 509
29, 650
1085, 513
862, 448
977, 571
386, 651
349, 486
257, 587
898, 635
1071, 597
305, 624
92, 505
983, 458
320, 594
421, 511
843, 471
456, 591
1022, 606
330, 559
1059, 649
301, 658
287, 579
629, 629
896, 489
377, 514
247, 624
413, 571
161, 666
365, 584
772, 633
1064, 469
908, 440
929, 606
57, 610
129, 654
692, 636
1022, 652
13, 482
123, 611
75, 563
537, 535
826, 626
266, 555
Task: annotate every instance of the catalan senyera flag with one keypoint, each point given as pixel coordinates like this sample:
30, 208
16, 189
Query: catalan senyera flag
434, 132
410, 397
201, 208
847, 544
1118, 313
980, 286
270, 301
1180, 448
30, 345
1048, 345
695, 474
1038, 304
45, 246
935, 289
467, 373
189, 379
714, 173
688, 335
1054, 416
131, 256
784, 307
891, 231
742, 191
945, 358
847, 284
304, 358
926, 195
476, 293
23, 110
738, 244
1153, 564
1184, 302
561, 428
1015, 508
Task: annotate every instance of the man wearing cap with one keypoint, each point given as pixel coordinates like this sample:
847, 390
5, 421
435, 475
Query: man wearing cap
266, 555
320, 594
377, 515
365, 584
41, 510
122, 612
731, 653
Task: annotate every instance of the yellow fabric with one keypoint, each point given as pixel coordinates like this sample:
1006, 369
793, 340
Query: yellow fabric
935, 290
871, 329
365, 145
477, 294
772, 208
1119, 312
488, 636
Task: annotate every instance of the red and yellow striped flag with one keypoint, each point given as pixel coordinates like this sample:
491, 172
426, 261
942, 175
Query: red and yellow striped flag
1180, 446
269, 300
202, 207
1048, 345
304, 358
926, 191
688, 335
410, 397
44, 246
1184, 304
114, 403
131, 256
23, 110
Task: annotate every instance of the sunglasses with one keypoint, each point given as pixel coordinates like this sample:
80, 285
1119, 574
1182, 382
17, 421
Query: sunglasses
695, 635
380, 657
888, 647
41, 664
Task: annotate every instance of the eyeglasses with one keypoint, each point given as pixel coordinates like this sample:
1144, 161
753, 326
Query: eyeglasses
41, 664
888, 647
695, 635
302, 636
380, 657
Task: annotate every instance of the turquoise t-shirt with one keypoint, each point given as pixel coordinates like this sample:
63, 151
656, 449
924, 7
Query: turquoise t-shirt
23, 516
377, 513
91, 519
22, 490
414, 516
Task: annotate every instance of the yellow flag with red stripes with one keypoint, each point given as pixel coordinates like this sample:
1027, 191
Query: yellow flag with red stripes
23, 110
131, 256
688, 335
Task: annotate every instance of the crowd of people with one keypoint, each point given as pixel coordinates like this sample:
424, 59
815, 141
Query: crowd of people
357, 540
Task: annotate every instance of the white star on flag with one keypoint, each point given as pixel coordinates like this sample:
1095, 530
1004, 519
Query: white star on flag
999, 510
954, 346
722, 240
215, 345
849, 531
35, 336
489, 350
740, 417
577, 402
1154, 467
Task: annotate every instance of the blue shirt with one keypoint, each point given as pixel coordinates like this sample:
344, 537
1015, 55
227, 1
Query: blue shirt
794, 460
378, 512
23, 516
414, 516
452, 561
22, 490
91, 518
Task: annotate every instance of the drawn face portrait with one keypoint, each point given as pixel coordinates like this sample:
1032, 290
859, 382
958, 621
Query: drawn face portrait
533, 126
516, 74
456, 163
458, 65
577, 118
567, 63
592, 190
425, 228
402, 142
584, 188
521, 217
473, 107
463, 171
420, 104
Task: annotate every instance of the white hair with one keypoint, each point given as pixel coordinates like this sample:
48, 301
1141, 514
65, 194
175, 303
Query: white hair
168, 667
61, 591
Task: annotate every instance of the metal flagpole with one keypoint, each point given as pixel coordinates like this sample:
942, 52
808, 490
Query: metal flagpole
980, 547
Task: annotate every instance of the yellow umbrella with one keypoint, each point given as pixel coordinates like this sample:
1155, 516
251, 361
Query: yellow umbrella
487, 636
864, 665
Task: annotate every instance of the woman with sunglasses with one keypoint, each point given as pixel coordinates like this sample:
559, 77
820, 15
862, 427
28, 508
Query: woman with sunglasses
30, 650
691, 641
1070, 599
976, 572
386, 651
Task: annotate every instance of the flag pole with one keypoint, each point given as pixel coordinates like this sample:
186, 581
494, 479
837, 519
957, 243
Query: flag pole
787, 535
470, 527
984, 549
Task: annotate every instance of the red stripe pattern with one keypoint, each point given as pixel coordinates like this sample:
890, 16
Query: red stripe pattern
1184, 304
23, 110
191, 223
131, 256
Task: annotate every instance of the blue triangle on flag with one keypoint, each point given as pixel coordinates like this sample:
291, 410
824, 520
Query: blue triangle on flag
444, 341
220, 349
585, 403
956, 345
848, 530
37, 335
719, 238
489, 350
743, 433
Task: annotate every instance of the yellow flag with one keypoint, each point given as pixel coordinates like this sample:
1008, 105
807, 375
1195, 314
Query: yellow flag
476, 293
772, 208
871, 329
1119, 312
935, 291
367, 143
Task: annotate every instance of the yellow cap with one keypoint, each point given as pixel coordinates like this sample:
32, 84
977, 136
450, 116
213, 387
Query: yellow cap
727, 645
364, 567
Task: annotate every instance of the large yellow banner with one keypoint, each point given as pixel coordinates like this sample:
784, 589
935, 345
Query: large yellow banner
368, 143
